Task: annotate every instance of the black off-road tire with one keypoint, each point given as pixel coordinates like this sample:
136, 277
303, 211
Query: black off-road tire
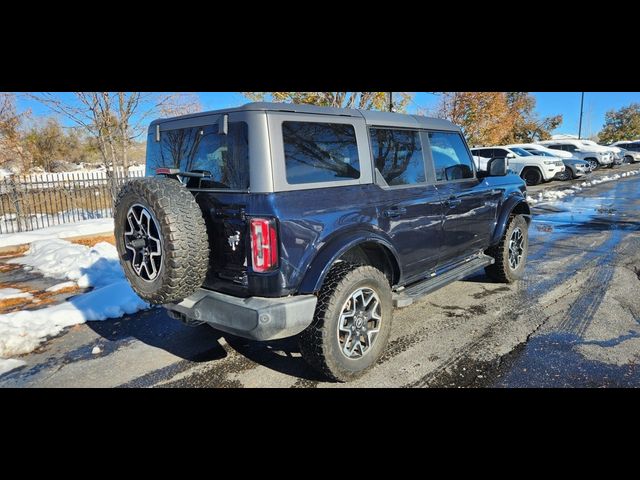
501, 270
319, 343
183, 234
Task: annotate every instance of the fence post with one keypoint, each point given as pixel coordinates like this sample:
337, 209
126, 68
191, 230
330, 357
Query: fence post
16, 199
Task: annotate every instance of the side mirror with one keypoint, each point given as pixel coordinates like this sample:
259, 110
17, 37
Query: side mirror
497, 167
511, 155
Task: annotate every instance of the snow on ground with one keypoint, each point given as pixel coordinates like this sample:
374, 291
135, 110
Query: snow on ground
8, 293
87, 227
552, 195
98, 267
8, 364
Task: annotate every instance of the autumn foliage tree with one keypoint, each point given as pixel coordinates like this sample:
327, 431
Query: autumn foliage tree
361, 100
494, 118
622, 124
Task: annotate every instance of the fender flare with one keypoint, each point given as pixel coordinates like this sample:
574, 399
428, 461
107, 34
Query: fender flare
337, 246
505, 211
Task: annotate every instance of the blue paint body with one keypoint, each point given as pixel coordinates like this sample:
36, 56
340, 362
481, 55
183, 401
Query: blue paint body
419, 229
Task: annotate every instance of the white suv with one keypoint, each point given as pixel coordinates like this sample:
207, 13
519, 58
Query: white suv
574, 167
532, 168
596, 156
631, 150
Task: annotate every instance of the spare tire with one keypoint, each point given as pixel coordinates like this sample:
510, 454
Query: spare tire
161, 239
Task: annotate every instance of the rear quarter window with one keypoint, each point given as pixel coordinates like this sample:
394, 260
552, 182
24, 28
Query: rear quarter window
317, 152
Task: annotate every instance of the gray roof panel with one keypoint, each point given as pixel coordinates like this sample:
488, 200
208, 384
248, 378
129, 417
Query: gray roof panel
372, 117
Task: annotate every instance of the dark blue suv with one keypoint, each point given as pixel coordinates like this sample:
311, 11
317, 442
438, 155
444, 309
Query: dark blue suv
273, 220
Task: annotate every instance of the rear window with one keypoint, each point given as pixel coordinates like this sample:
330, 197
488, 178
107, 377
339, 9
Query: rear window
225, 157
320, 152
397, 155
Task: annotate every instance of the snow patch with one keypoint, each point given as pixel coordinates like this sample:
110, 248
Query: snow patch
7, 293
86, 227
112, 297
554, 195
8, 364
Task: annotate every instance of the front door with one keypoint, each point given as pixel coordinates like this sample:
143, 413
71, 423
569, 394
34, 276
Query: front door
469, 204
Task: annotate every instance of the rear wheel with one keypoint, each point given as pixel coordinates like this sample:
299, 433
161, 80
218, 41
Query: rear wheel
511, 253
532, 176
351, 324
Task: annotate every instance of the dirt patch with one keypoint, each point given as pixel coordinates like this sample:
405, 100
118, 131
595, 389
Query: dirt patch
38, 299
13, 251
94, 240
8, 267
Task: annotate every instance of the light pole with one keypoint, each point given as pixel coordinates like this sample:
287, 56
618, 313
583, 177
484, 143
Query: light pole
391, 101
580, 125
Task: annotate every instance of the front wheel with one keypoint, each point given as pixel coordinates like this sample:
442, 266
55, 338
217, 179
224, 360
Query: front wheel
511, 253
532, 176
628, 159
593, 164
351, 324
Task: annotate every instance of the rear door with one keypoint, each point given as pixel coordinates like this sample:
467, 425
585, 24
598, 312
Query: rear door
409, 208
198, 145
469, 204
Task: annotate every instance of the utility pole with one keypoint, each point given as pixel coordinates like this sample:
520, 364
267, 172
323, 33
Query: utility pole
391, 101
580, 126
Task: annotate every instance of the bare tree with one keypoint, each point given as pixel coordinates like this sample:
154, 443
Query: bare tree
11, 150
115, 119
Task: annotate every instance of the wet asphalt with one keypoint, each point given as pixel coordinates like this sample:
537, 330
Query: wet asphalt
573, 321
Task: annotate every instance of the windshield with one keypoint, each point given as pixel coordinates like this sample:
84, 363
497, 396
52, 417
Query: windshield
225, 157
521, 152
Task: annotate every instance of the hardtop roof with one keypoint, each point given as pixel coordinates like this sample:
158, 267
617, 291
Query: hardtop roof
370, 116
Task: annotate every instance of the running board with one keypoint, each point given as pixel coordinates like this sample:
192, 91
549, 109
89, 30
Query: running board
406, 296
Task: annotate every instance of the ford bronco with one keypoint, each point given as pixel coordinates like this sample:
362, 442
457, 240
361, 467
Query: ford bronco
274, 220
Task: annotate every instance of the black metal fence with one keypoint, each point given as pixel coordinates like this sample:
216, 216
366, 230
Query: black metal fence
30, 202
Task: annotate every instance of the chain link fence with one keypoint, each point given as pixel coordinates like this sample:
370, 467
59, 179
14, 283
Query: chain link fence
31, 202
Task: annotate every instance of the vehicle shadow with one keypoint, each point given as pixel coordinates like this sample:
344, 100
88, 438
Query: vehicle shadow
282, 356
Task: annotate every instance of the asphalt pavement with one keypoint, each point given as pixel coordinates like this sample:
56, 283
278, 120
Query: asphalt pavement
574, 321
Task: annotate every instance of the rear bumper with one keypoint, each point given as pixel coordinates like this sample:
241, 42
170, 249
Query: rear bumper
256, 318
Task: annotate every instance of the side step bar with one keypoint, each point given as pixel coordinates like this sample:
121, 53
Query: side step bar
405, 297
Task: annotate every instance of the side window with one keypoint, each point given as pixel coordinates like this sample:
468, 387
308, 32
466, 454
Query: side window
397, 155
554, 147
569, 148
320, 152
499, 153
450, 156
483, 152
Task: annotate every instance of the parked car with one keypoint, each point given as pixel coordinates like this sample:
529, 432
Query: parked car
631, 150
573, 167
275, 220
595, 156
533, 169
618, 155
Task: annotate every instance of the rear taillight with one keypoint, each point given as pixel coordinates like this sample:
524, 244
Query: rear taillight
264, 244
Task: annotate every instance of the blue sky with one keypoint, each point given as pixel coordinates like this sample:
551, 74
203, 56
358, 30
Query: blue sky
596, 104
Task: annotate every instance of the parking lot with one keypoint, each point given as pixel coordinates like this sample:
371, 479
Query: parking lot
573, 321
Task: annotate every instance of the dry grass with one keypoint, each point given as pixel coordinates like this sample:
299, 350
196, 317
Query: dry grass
40, 297
91, 241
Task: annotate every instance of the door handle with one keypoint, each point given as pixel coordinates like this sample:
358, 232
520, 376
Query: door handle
395, 212
453, 202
